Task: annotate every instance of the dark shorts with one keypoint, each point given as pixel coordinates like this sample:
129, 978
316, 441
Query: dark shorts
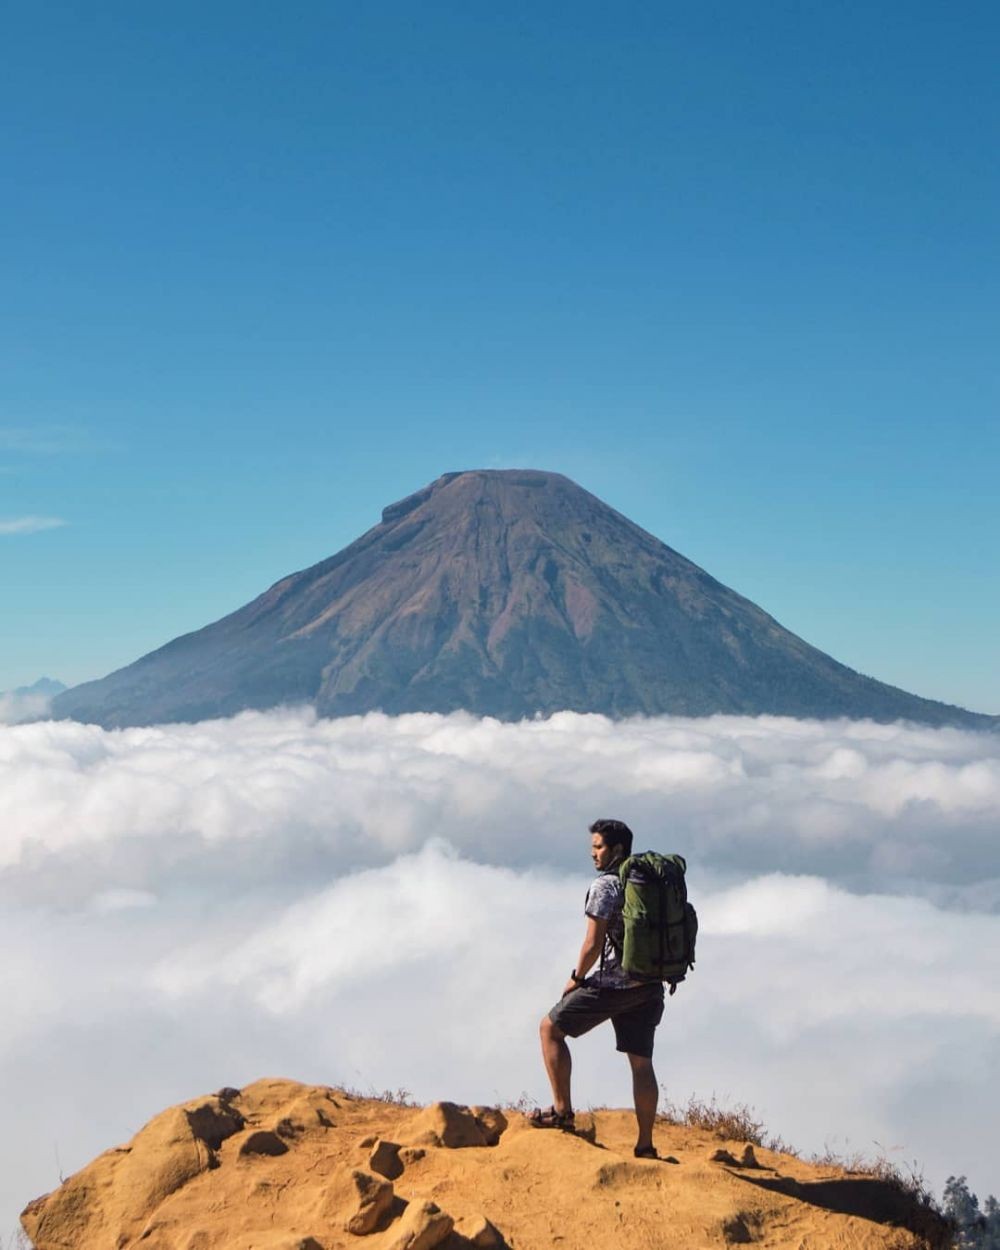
634, 1012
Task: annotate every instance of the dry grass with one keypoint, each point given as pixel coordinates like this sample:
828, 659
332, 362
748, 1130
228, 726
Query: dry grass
524, 1103
740, 1123
737, 1122
392, 1097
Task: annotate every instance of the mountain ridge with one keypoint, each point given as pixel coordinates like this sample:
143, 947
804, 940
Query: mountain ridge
508, 593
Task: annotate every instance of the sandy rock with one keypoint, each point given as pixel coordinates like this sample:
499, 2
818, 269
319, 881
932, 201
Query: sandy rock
66, 1217
492, 1121
747, 1160
262, 1142
356, 1201
476, 1230
288, 1128
385, 1160
166, 1154
304, 1114
423, 1226
411, 1154
213, 1121
447, 1124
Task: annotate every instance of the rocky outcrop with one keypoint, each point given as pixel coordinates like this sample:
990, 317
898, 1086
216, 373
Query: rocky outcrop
449, 1125
281, 1166
111, 1201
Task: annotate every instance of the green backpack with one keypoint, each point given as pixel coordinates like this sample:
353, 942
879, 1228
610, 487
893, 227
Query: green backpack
660, 924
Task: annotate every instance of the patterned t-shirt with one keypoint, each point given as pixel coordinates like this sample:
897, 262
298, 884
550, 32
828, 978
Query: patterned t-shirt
605, 900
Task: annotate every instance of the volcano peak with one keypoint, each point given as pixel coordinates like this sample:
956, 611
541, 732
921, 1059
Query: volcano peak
504, 592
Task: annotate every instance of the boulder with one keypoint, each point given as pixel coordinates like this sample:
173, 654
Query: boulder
476, 1230
214, 1120
422, 1226
492, 1121
385, 1160
356, 1201
314, 1110
172, 1149
453, 1126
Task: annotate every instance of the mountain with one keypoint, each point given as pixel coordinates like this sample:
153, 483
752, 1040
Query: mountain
28, 703
507, 593
47, 687
283, 1166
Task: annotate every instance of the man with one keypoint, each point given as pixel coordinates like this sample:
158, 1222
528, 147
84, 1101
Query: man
634, 1007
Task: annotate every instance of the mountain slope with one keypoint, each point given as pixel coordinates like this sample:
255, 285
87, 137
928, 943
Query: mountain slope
507, 593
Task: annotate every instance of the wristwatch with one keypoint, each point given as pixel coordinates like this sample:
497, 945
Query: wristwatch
574, 977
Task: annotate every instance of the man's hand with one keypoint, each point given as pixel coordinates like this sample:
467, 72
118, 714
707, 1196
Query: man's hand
590, 951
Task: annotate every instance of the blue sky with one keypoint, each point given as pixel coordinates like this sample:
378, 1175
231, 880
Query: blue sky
732, 267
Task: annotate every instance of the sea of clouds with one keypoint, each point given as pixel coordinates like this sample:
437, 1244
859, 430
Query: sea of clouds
394, 902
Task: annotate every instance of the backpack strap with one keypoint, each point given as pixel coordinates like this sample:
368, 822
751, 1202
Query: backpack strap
607, 872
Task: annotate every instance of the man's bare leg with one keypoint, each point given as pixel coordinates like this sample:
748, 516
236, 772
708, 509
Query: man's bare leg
558, 1064
646, 1094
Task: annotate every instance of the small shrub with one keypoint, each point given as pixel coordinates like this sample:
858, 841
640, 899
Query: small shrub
730, 1123
394, 1097
524, 1103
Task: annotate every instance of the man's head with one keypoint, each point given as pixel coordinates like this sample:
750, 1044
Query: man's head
610, 843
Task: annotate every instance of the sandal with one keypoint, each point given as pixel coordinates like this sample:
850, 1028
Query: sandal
551, 1118
645, 1152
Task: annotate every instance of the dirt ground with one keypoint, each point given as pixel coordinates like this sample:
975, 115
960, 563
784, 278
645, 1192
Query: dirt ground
284, 1166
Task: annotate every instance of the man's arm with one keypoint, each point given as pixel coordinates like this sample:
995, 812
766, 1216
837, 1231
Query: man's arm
590, 951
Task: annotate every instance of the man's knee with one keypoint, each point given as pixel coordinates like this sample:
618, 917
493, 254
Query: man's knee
551, 1031
641, 1064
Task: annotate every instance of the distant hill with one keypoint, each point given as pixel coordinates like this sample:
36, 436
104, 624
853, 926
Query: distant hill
506, 593
28, 703
45, 686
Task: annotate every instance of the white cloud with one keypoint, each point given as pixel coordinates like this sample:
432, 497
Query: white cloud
396, 901
872, 806
16, 708
30, 524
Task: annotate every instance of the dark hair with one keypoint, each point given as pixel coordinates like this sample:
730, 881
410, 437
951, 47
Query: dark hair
614, 833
